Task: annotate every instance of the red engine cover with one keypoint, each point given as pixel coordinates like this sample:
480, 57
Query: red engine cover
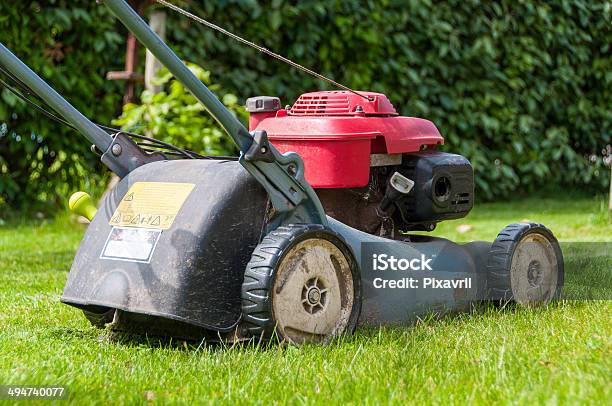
335, 132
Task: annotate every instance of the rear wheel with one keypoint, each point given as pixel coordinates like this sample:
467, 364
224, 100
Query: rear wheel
301, 284
525, 264
99, 318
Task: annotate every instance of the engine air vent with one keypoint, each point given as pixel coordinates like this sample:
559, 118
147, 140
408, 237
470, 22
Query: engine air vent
342, 103
321, 104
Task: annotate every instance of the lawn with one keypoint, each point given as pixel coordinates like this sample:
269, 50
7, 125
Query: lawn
557, 354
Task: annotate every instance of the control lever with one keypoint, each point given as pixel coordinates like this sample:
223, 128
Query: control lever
398, 186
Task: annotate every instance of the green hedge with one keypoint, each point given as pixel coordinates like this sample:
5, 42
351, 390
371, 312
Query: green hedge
522, 88
71, 44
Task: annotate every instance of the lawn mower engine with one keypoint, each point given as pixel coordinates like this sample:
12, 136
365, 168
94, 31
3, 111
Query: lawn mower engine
373, 170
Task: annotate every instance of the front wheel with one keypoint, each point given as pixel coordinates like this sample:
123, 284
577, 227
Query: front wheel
525, 264
302, 284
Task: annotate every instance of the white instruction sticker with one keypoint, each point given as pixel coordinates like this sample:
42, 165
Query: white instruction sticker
131, 244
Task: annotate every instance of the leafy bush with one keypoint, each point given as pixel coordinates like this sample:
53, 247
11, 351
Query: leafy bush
71, 44
174, 115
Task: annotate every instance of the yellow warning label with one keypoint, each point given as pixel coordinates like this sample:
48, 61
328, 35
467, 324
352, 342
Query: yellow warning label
151, 205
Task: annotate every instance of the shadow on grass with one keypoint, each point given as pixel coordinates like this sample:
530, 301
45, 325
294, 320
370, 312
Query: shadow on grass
219, 344
432, 326
190, 345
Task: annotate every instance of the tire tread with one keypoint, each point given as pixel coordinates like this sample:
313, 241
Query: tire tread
500, 258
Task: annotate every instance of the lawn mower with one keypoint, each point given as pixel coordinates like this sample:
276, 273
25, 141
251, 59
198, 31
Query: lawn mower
318, 227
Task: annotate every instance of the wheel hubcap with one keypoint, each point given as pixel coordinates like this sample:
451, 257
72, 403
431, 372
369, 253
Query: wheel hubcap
534, 270
312, 293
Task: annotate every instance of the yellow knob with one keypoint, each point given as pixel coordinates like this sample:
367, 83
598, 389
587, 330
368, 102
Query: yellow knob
82, 204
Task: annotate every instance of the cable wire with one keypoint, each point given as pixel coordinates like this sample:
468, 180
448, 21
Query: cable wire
146, 142
257, 47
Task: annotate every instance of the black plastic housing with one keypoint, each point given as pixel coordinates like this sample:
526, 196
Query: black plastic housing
197, 267
444, 187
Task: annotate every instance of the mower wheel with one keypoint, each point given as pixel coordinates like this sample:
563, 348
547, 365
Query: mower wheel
525, 264
100, 319
301, 285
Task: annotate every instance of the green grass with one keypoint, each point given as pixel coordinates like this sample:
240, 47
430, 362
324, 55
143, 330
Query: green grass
557, 354
571, 219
